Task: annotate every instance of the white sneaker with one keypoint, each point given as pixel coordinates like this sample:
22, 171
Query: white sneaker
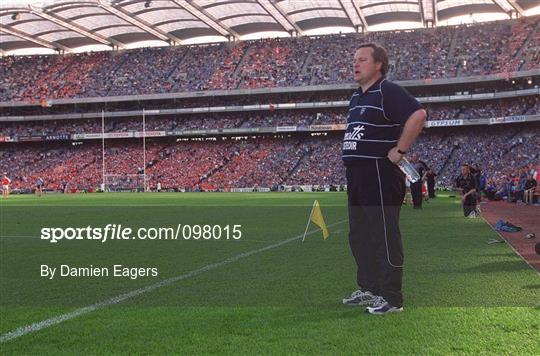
360, 298
381, 307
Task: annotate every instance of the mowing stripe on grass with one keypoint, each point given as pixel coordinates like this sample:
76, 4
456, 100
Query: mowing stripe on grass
120, 298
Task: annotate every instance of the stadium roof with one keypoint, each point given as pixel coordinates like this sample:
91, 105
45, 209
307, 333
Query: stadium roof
69, 25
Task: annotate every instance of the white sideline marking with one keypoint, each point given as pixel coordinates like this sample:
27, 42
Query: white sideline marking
122, 297
509, 244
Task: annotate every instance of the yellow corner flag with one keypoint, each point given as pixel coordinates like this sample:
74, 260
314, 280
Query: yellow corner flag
317, 218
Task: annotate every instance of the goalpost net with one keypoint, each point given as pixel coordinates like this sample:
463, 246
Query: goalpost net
124, 182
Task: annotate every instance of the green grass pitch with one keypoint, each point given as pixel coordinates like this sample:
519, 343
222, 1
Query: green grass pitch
265, 293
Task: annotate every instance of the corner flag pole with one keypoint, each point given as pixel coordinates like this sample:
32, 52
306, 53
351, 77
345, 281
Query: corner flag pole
309, 220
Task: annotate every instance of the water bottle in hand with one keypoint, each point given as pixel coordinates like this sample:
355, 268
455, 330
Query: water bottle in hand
409, 170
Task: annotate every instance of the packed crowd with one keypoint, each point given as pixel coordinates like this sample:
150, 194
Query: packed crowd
501, 151
505, 156
471, 110
270, 63
524, 30
56, 165
180, 165
440, 111
271, 99
420, 54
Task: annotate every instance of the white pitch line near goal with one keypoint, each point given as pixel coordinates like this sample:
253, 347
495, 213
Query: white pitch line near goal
129, 295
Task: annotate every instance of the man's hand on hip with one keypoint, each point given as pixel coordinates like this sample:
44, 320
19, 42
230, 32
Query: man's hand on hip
394, 156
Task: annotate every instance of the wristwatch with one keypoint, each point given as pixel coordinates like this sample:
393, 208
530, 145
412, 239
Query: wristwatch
401, 152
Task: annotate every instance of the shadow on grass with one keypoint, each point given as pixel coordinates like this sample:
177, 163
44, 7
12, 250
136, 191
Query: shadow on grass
502, 266
498, 254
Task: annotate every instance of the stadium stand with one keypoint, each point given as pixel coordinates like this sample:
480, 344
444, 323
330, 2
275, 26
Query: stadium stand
502, 152
441, 111
506, 153
419, 54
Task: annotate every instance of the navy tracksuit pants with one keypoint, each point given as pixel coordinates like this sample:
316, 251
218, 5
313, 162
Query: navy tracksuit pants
375, 189
416, 193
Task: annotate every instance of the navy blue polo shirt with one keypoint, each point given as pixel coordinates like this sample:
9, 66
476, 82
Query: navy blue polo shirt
376, 118
467, 183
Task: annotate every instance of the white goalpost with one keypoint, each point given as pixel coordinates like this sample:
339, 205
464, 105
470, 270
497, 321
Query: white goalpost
145, 187
123, 182
103, 186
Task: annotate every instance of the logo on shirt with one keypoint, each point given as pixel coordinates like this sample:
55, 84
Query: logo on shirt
356, 134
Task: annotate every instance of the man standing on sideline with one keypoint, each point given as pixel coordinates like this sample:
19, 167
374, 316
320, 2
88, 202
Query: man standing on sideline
5, 185
384, 121
468, 186
430, 179
416, 187
39, 186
